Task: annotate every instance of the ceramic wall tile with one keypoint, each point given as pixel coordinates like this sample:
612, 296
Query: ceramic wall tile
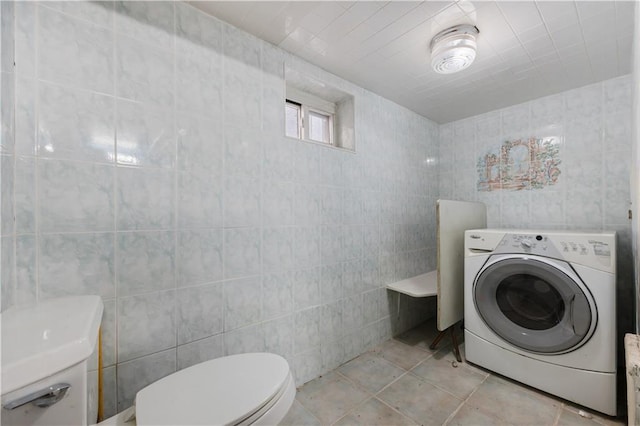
200, 144
196, 31
242, 252
277, 294
241, 201
199, 257
134, 375
145, 261
278, 158
242, 150
307, 205
277, 203
26, 292
245, 340
74, 52
7, 115
75, 124
7, 33
331, 283
352, 279
7, 209
353, 241
200, 351
617, 132
25, 38
96, 12
547, 207
241, 48
146, 324
306, 325
7, 273
307, 366
75, 196
108, 329
145, 136
200, 312
243, 302
278, 336
152, 22
242, 95
306, 288
145, 198
199, 200
24, 117
109, 384
199, 84
332, 244
144, 73
277, 249
76, 264
331, 321
331, 205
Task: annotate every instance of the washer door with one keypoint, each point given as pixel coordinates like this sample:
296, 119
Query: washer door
535, 303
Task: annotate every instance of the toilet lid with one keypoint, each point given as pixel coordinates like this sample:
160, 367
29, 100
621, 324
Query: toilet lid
221, 391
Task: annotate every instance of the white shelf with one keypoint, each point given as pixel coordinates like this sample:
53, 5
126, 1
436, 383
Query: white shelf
424, 285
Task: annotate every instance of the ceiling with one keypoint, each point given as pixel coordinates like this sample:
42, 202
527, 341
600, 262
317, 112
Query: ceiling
526, 49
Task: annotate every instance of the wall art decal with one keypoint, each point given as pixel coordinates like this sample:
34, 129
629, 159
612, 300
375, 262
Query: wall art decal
520, 164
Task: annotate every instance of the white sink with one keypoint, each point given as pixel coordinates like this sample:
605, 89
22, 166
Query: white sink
41, 340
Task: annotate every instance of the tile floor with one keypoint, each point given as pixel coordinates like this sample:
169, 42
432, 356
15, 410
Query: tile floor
403, 382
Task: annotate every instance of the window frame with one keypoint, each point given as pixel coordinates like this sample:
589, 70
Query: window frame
311, 104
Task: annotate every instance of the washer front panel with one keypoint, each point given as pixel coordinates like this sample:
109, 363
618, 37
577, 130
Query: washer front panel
534, 303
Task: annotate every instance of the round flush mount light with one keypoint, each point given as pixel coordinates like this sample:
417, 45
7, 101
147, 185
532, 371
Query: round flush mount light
453, 49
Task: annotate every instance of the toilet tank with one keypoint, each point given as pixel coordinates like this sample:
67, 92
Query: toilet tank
49, 362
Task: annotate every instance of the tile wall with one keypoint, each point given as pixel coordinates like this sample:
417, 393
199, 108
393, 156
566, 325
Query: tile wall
149, 167
7, 102
635, 174
593, 124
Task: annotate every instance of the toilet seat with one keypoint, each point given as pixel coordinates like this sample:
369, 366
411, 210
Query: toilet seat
232, 390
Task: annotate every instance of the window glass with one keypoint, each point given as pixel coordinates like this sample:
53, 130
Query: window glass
319, 127
292, 117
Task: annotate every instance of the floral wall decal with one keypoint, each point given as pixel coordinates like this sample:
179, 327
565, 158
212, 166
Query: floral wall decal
520, 164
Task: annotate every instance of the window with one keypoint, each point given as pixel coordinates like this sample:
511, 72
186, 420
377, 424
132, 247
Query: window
317, 112
308, 123
293, 117
319, 127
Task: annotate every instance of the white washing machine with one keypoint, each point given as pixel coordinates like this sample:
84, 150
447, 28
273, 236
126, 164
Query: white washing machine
540, 308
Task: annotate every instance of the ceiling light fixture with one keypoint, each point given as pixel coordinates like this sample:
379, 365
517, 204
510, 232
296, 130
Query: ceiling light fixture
454, 49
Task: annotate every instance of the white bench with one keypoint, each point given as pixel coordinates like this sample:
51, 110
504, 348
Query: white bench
424, 285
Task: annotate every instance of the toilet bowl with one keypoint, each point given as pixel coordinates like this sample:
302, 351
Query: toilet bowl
49, 376
253, 388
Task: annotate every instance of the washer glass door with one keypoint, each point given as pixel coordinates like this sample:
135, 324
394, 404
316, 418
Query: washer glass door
534, 305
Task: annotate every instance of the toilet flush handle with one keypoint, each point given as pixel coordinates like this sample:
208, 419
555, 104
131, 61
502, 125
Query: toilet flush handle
42, 398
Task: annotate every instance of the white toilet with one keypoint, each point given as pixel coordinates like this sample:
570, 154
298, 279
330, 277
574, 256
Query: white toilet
49, 377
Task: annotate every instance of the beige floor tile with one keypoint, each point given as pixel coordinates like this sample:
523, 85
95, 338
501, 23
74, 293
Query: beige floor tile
330, 397
446, 373
299, 416
402, 354
422, 336
570, 418
596, 416
514, 403
420, 400
373, 412
469, 415
371, 371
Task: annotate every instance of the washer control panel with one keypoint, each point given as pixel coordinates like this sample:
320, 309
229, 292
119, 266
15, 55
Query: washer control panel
596, 250
527, 243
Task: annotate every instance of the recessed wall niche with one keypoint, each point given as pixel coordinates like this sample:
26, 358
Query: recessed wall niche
310, 101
